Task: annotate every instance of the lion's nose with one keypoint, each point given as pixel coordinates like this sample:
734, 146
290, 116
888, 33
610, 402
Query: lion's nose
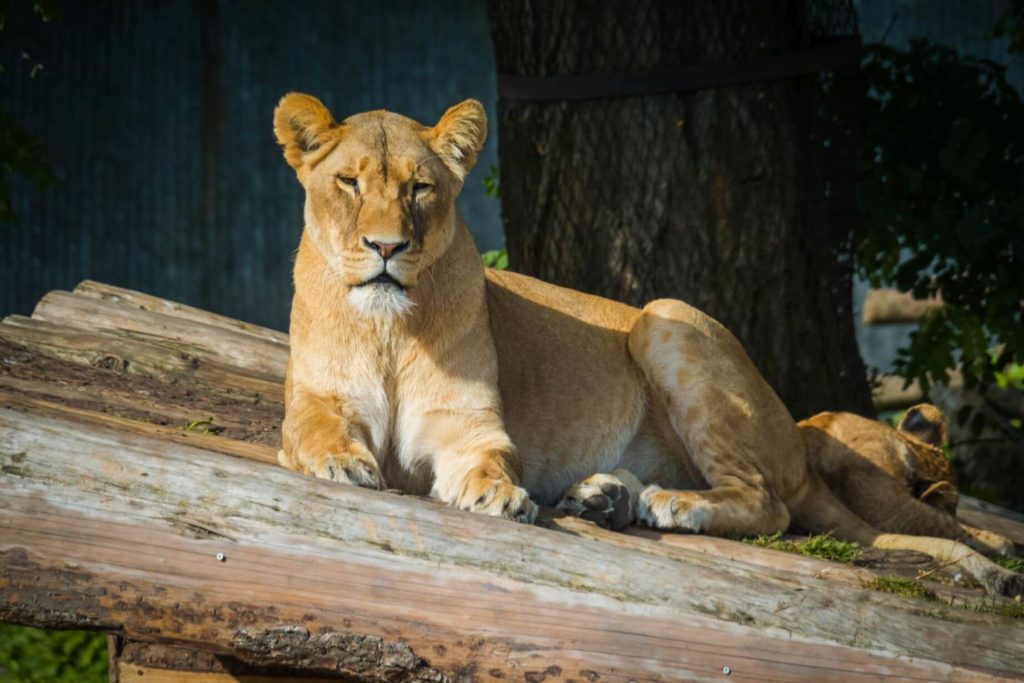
386, 249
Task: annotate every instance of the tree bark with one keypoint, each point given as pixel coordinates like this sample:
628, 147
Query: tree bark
732, 199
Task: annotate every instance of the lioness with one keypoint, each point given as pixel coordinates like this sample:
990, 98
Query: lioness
413, 366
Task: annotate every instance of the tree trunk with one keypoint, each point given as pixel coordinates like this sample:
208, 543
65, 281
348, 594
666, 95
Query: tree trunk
738, 200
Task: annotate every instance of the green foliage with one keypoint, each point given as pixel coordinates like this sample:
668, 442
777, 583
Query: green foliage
897, 585
773, 542
202, 426
497, 258
491, 186
893, 418
20, 152
29, 655
1011, 376
821, 546
825, 547
1014, 564
943, 207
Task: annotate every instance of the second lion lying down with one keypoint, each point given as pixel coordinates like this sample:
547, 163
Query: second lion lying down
412, 366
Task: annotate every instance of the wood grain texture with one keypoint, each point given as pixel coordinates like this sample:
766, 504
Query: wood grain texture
147, 674
206, 342
163, 358
208, 442
160, 663
336, 579
147, 302
112, 391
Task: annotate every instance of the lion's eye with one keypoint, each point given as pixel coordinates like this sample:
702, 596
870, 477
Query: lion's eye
420, 189
351, 183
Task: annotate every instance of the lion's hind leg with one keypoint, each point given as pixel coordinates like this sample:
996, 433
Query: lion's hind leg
885, 504
733, 428
821, 511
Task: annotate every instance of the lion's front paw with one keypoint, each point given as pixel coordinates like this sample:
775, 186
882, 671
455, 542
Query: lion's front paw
349, 464
500, 499
603, 499
348, 469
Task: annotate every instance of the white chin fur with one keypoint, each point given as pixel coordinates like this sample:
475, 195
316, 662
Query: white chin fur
380, 301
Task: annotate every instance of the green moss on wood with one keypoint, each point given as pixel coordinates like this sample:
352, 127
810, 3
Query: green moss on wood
898, 585
1014, 564
821, 546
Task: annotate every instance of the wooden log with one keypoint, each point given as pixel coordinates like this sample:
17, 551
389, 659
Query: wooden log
888, 306
902, 564
132, 299
203, 341
127, 673
208, 442
720, 546
889, 393
109, 391
993, 517
163, 359
340, 580
158, 663
173, 409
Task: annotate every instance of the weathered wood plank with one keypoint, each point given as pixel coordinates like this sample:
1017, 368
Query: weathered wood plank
110, 391
203, 341
148, 302
887, 306
989, 516
891, 563
888, 393
327, 576
208, 442
146, 674
159, 663
52, 385
170, 361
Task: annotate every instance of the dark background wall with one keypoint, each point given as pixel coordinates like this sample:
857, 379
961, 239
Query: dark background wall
156, 115
157, 119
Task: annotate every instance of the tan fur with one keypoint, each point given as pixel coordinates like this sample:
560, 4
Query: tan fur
891, 478
427, 387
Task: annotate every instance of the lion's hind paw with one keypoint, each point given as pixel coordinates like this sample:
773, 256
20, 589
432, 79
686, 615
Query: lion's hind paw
604, 499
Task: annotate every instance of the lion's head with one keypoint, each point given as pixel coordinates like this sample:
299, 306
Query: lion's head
380, 191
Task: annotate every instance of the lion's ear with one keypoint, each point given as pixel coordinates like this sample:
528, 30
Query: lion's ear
460, 135
925, 422
299, 121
